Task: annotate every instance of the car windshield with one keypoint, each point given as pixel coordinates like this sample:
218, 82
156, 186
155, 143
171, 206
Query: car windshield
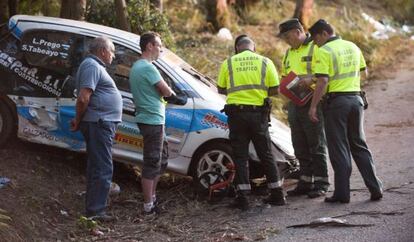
204, 85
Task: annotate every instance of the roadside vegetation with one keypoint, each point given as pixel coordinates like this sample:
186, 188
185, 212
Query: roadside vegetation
205, 51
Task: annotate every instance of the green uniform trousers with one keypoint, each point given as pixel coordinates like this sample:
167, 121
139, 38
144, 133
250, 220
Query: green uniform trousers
309, 142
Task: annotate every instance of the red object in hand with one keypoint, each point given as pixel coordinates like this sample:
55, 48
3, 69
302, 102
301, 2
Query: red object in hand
299, 94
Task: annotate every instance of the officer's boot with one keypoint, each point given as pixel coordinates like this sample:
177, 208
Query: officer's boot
302, 188
320, 189
240, 201
276, 197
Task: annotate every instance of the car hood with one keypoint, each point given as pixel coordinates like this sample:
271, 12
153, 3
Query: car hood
281, 137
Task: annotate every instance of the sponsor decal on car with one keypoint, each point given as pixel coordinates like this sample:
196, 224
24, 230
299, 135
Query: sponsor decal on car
29, 74
129, 140
213, 121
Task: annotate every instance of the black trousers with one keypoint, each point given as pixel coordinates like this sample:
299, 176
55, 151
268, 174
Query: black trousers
345, 135
246, 126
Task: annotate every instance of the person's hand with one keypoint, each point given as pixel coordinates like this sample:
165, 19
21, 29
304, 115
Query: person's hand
305, 82
74, 125
313, 115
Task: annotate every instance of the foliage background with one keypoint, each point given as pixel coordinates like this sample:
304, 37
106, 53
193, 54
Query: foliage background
184, 28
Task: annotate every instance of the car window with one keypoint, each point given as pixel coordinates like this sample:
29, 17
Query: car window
54, 50
170, 82
55, 57
122, 64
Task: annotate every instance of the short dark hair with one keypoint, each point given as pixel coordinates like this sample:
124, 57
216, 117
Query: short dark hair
319, 26
147, 38
238, 38
242, 40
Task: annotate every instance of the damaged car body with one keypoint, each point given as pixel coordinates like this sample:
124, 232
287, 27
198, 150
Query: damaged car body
39, 57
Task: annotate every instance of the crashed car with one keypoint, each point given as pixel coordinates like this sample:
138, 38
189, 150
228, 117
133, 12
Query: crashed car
39, 57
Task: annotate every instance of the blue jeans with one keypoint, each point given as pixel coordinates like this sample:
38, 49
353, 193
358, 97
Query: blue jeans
155, 150
99, 138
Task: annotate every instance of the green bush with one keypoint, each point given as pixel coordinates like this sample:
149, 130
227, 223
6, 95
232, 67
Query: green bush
101, 12
39, 7
142, 17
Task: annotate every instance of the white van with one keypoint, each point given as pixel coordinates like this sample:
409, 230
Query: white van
39, 57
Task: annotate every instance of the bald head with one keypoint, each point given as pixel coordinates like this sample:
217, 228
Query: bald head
244, 43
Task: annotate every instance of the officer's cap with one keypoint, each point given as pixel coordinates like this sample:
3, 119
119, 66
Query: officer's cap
320, 26
288, 25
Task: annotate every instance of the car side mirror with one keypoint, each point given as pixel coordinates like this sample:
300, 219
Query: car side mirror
179, 99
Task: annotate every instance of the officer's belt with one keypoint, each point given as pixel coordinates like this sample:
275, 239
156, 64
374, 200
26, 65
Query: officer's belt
245, 108
336, 94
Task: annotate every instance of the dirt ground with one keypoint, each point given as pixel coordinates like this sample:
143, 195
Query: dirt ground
44, 200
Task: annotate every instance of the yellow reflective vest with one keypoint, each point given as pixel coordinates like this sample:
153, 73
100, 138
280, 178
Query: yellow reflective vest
299, 60
342, 61
247, 77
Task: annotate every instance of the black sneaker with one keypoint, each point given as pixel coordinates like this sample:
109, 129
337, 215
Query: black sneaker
103, 218
376, 196
279, 201
298, 191
154, 211
276, 198
336, 200
317, 193
240, 202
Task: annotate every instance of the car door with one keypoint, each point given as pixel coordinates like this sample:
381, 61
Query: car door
46, 90
179, 112
128, 140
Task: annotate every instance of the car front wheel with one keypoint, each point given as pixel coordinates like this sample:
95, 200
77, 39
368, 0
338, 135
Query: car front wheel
214, 157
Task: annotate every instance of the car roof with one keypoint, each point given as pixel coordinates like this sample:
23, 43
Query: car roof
26, 22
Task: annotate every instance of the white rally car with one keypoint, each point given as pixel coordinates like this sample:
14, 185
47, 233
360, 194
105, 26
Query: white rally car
39, 57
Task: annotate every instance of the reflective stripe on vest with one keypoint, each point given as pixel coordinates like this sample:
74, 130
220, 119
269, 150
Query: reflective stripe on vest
309, 63
336, 75
261, 86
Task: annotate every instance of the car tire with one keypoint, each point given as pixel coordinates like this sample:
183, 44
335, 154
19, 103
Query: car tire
213, 157
7, 124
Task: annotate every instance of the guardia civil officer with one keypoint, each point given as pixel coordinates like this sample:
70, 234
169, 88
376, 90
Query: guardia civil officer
338, 64
247, 79
308, 137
